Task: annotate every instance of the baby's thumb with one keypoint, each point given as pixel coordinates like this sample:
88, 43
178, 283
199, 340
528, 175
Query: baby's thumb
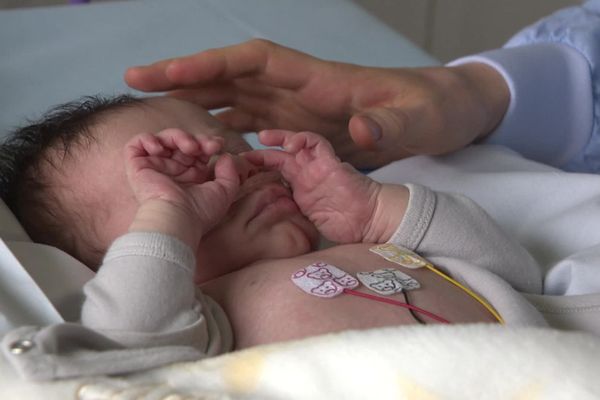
227, 176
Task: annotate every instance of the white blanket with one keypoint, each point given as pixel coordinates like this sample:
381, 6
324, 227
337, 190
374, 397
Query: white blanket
555, 215
432, 362
417, 362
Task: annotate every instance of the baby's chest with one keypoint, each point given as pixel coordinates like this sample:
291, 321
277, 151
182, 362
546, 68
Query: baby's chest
317, 293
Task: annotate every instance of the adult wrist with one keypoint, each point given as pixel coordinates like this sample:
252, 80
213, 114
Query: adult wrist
165, 217
489, 90
550, 114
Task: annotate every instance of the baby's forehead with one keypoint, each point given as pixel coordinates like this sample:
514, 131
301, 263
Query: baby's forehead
155, 114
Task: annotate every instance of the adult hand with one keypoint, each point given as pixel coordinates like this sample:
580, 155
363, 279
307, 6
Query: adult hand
390, 113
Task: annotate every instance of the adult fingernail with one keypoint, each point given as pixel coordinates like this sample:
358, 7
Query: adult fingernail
171, 67
374, 128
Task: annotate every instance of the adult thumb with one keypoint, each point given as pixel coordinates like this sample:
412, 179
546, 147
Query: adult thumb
378, 127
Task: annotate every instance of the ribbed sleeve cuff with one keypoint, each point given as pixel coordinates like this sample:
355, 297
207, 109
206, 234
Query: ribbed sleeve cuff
152, 244
550, 116
420, 209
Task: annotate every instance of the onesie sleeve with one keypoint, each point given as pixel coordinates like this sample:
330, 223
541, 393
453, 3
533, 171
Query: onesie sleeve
142, 310
552, 69
458, 236
144, 294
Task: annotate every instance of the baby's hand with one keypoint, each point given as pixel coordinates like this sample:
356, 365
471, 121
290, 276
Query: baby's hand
172, 168
339, 200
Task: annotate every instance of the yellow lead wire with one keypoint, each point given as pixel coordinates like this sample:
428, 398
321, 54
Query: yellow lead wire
468, 291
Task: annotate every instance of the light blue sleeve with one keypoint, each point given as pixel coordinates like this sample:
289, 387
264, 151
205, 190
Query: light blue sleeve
552, 69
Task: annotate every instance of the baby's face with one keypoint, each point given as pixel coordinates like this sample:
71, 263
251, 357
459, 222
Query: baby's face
264, 222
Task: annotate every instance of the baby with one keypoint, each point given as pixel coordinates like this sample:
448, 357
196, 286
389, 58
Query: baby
201, 245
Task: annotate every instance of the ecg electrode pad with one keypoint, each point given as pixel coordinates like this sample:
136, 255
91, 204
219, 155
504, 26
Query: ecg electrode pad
387, 281
399, 255
323, 280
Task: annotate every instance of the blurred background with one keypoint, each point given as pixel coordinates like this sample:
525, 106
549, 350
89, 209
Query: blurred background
447, 29
452, 28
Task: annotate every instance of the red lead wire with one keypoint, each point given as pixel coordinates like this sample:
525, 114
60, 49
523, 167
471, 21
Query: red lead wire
397, 303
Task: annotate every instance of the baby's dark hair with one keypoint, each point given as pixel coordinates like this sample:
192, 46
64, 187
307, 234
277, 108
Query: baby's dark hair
30, 152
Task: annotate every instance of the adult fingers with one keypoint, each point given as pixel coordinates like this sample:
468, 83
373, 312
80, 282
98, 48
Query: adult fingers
371, 126
241, 121
412, 129
209, 97
280, 65
401, 131
149, 78
224, 63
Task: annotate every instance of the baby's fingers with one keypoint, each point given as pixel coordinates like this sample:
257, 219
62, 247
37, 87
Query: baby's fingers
165, 166
293, 142
227, 176
273, 160
188, 144
280, 137
143, 145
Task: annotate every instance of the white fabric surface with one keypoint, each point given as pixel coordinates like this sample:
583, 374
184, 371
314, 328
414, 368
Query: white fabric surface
417, 362
57, 54
554, 214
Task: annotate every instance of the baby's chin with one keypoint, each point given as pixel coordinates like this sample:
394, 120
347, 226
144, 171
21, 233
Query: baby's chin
219, 262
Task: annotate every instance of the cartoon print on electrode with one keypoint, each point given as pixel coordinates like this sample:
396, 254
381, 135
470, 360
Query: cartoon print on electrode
327, 289
347, 281
388, 281
320, 273
387, 285
323, 280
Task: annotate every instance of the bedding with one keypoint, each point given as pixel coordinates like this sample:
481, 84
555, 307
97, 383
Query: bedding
62, 53
434, 362
57, 54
